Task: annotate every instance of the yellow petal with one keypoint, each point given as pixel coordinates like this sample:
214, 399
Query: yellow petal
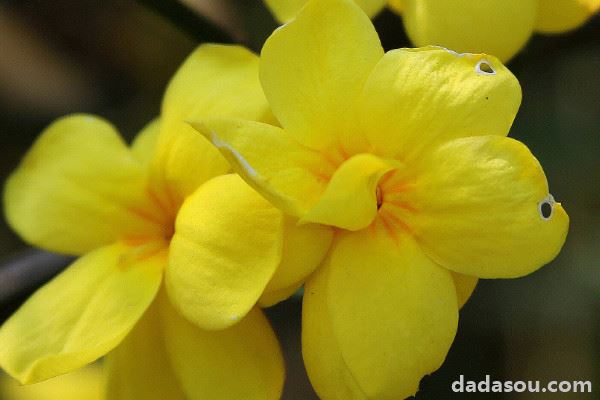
371, 7
555, 16
350, 200
139, 367
241, 362
391, 314
285, 10
144, 144
304, 248
396, 5
417, 97
79, 187
289, 175
214, 81
465, 285
80, 315
311, 88
482, 205
271, 297
226, 247
186, 161
85, 383
328, 372
498, 27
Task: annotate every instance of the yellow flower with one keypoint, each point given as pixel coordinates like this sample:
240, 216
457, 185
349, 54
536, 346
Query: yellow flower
286, 10
162, 207
498, 27
405, 156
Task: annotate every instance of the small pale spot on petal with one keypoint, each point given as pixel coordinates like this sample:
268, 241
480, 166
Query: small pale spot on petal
546, 207
454, 53
240, 159
484, 67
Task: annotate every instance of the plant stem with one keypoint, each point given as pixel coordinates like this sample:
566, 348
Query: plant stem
26, 271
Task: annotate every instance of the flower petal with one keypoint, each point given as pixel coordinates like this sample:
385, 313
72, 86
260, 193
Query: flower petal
241, 362
350, 200
328, 372
80, 315
482, 204
465, 285
555, 16
498, 27
215, 81
418, 97
139, 367
396, 5
78, 188
312, 89
226, 247
285, 10
271, 297
304, 248
85, 383
390, 316
289, 175
371, 7
144, 144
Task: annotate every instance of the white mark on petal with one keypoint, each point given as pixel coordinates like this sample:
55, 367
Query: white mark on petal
454, 53
238, 157
484, 67
546, 207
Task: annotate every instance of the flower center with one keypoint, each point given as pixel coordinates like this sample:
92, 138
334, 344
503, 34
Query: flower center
161, 212
166, 206
393, 205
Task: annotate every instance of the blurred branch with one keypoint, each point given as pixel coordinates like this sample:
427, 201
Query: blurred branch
195, 25
28, 270
226, 14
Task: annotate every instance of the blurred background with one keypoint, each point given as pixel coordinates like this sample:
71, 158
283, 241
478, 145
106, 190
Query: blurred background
114, 58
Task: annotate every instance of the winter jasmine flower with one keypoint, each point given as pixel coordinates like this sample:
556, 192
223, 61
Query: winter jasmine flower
404, 155
498, 27
175, 252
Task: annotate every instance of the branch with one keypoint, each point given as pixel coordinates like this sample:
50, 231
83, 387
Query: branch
196, 26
